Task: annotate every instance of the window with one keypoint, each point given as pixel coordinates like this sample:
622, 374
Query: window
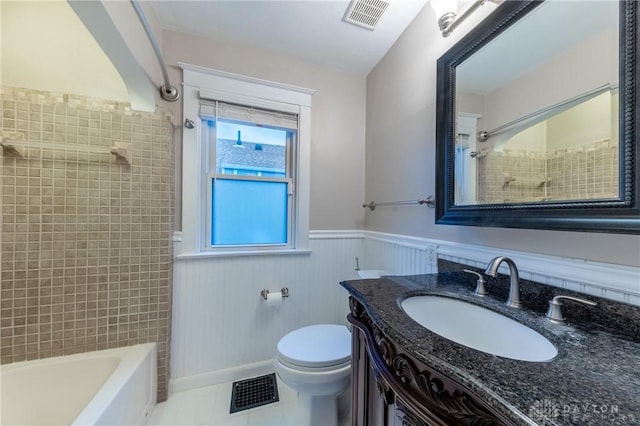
245, 165
250, 179
262, 206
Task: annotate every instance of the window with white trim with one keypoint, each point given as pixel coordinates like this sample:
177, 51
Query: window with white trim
246, 153
250, 178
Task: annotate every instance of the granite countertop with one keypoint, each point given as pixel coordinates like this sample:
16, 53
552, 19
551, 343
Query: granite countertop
594, 379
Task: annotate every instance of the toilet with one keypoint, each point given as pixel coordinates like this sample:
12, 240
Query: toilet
315, 361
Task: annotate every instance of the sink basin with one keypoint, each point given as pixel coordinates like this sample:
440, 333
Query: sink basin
479, 328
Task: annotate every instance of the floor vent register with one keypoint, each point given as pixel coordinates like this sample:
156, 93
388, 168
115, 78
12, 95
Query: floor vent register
254, 392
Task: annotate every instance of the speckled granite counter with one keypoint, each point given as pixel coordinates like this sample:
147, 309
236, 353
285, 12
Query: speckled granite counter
594, 379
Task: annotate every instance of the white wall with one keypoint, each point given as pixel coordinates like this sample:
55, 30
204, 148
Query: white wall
534, 139
337, 120
223, 330
570, 74
96, 49
220, 323
46, 47
220, 320
133, 33
583, 124
400, 158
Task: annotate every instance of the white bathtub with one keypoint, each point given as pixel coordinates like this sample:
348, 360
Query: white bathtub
109, 387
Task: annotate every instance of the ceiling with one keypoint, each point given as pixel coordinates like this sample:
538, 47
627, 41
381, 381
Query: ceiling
310, 30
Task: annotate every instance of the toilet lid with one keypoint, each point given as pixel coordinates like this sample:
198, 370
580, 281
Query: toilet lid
321, 345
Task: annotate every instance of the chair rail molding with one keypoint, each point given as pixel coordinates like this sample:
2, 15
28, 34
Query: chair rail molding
617, 282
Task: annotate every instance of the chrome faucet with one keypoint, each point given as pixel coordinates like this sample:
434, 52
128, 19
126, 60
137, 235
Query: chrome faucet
514, 289
480, 290
554, 314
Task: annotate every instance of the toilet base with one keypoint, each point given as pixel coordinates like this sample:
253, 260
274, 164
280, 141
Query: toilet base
313, 410
317, 393
315, 361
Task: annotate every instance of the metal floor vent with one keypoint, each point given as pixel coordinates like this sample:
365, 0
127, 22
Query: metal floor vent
251, 393
365, 13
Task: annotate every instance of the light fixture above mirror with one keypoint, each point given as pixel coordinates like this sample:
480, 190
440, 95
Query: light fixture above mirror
447, 13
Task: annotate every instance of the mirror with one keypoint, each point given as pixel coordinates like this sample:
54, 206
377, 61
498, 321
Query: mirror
536, 119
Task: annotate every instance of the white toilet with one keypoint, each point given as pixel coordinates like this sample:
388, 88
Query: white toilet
315, 361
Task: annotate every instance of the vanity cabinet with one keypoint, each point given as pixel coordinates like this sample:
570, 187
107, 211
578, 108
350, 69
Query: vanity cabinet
392, 387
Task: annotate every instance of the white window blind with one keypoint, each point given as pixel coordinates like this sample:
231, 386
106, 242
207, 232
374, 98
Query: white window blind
215, 110
462, 140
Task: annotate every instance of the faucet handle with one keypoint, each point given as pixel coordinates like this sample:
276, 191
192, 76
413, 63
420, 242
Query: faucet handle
554, 314
480, 290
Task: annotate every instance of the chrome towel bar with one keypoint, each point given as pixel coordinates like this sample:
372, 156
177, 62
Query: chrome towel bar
429, 201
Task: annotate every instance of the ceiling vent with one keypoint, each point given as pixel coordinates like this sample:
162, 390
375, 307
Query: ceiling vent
365, 13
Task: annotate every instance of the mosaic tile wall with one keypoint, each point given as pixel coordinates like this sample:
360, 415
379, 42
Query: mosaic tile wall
86, 259
511, 176
570, 174
591, 172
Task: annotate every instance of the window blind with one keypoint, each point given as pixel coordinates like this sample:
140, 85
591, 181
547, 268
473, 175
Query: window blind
214, 110
462, 140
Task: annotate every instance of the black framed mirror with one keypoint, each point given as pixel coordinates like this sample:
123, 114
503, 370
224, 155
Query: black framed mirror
536, 122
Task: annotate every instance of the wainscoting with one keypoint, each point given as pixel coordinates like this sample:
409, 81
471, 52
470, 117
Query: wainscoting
220, 320
399, 254
223, 330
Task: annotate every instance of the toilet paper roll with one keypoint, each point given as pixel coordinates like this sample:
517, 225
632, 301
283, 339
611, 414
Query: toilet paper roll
274, 299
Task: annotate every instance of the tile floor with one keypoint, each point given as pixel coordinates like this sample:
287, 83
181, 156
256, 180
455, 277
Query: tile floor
210, 406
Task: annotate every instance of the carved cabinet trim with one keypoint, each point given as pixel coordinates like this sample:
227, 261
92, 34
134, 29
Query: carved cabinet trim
422, 395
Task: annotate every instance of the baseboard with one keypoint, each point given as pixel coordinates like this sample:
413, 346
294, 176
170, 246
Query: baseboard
211, 378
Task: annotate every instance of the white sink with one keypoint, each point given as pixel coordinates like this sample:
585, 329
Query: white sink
479, 328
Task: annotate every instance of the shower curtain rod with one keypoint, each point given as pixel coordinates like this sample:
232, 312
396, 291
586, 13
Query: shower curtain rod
483, 135
167, 91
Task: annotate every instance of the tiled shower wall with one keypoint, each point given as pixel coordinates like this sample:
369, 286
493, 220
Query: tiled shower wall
570, 174
86, 259
511, 176
591, 172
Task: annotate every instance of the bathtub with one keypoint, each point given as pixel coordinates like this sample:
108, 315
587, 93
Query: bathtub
109, 387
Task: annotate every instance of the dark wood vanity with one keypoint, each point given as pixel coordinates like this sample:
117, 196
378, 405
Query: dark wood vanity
391, 387
404, 374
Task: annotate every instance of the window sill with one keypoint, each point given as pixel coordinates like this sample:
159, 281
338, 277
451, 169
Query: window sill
214, 254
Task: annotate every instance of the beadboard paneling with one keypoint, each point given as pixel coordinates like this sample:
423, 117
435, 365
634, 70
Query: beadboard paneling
221, 324
220, 321
399, 255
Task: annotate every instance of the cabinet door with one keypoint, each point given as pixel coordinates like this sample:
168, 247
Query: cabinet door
371, 398
393, 388
359, 373
380, 406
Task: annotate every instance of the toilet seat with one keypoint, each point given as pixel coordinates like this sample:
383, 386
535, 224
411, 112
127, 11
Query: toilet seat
321, 347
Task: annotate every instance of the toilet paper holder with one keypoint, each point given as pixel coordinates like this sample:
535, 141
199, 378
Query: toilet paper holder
283, 290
